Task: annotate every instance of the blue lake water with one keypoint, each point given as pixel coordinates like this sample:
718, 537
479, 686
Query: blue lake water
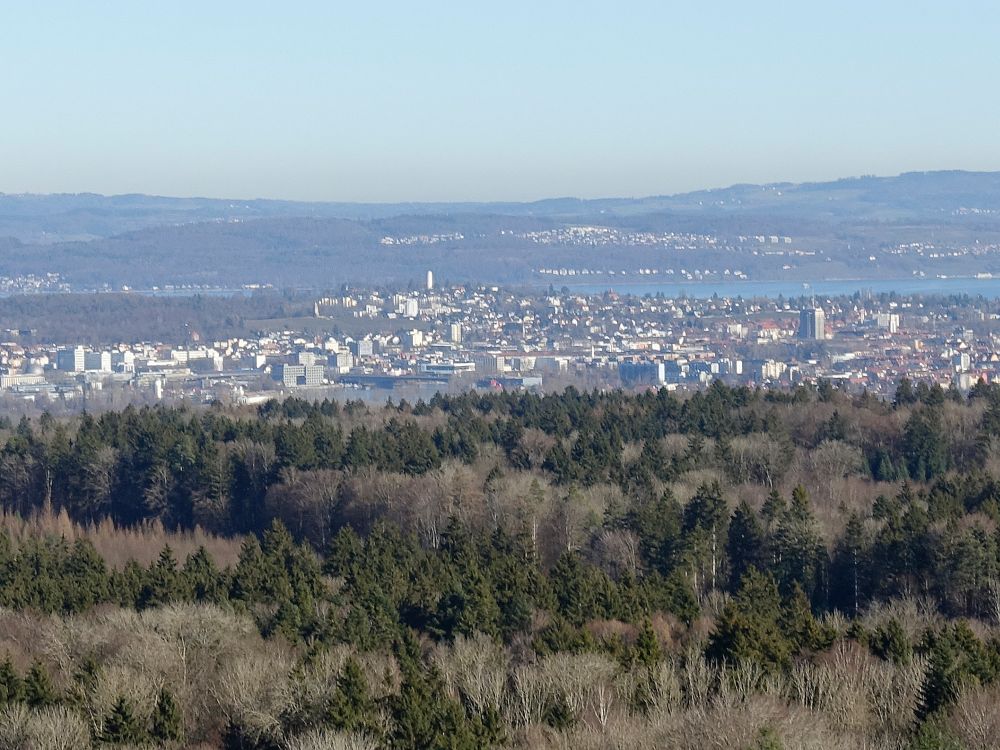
989, 288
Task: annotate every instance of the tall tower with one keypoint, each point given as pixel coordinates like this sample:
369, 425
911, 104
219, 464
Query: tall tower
812, 324
430, 280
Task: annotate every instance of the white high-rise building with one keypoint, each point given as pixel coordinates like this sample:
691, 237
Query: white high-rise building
812, 324
97, 361
71, 360
888, 321
430, 280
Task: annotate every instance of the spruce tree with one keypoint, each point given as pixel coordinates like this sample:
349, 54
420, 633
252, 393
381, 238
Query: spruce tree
121, 726
748, 628
352, 708
705, 519
38, 688
647, 651
423, 715
800, 626
11, 686
167, 723
745, 546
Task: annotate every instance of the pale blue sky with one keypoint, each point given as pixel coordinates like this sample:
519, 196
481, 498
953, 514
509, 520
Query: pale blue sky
407, 100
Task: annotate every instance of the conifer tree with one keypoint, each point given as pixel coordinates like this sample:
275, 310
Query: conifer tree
162, 581
352, 708
121, 726
748, 628
647, 649
849, 568
658, 524
11, 686
745, 546
423, 714
705, 518
167, 724
800, 626
38, 688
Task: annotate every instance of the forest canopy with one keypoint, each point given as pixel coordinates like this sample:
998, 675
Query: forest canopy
749, 568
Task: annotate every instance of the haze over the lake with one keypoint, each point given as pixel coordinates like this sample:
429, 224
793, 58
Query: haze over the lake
509, 101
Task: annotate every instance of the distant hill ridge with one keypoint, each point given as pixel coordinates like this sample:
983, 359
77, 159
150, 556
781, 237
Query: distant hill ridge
141, 239
58, 216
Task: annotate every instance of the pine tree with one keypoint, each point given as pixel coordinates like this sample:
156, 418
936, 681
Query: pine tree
745, 546
11, 686
162, 581
942, 679
890, 641
38, 688
352, 708
956, 658
849, 569
774, 508
800, 626
658, 525
167, 721
201, 580
748, 628
121, 726
705, 520
647, 649
799, 554
904, 393
423, 715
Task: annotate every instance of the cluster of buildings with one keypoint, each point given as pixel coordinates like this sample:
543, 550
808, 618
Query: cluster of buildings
33, 283
491, 337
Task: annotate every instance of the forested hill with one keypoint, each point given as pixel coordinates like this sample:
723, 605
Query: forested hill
913, 196
737, 568
91, 240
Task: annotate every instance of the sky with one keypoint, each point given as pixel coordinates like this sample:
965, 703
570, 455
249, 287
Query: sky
427, 101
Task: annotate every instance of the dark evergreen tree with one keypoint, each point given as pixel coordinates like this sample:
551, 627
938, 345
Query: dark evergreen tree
748, 628
351, 706
746, 546
11, 686
167, 723
849, 582
647, 650
705, 518
38, 688
121, 726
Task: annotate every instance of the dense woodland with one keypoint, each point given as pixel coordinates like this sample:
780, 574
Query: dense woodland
95, 319
732, 568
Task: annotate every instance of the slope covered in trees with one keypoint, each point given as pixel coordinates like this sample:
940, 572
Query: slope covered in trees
734, 568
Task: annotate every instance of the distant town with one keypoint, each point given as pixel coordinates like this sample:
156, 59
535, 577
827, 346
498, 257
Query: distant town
413, 343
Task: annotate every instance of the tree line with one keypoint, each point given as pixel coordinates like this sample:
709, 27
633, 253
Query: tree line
730, 551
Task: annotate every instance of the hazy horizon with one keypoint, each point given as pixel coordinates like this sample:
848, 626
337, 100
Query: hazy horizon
443, 102
599, 196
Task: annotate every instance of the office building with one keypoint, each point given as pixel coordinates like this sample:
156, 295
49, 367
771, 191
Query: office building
888, 321
291, 376
71, 360
362, 348
642, 373
342, 362
97, 361
488, 362
812, 324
